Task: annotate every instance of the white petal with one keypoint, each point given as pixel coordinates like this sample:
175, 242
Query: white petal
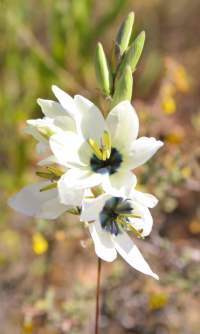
77, 178
145, 199
90, 123
33, 131
118, 183
123, 124
91, 207
65, 123
70, 149
144, 223
31, 202
103, 244
51, 109
34, 125
54, 110
48, 161
66, 101
69, 195
131, 254
42, 148
143, 149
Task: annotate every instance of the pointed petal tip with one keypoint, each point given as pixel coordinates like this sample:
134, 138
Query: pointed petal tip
155, 276
54, 88
160, 143
39, 100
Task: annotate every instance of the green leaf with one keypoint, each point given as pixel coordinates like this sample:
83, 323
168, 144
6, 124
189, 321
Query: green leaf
123, 87
103, 72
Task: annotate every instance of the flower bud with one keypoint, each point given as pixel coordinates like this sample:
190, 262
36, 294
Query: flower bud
123, 87
103, 72
133, 53
124, 33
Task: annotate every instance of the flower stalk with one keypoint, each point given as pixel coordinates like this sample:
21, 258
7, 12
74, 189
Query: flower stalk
99, 264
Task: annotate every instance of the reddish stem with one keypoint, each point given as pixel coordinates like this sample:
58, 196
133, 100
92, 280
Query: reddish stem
98, 296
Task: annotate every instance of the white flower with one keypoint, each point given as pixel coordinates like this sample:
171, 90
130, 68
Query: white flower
45, 204
111, 217
100, 151
56, 119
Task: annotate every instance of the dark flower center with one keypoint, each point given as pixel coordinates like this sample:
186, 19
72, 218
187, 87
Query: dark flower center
110, 165
113, 208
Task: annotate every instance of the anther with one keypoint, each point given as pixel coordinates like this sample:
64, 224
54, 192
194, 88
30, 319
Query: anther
49, 187
94, 146
106, 143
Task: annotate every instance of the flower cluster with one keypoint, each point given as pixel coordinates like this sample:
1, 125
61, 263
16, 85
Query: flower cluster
88, 166
89, 158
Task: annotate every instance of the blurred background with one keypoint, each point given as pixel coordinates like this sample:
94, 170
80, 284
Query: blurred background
48, 269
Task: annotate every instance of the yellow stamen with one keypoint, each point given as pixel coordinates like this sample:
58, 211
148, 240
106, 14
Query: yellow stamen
44, 175
130, 215
135, 231
104, 155
49, 187
106, 143
94, 146
123, 223
45, 132
54, 170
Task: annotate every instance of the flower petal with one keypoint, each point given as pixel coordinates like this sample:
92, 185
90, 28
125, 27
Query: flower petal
51, 108
66, 101
48, 161
91, 207
103, 244
123, 125
32, 202
145, 199
118, 183
90, 123
42, 148
69, 195
143, 149
69, 149
65, 123
131, 254
144, 223
32, 129
78, 179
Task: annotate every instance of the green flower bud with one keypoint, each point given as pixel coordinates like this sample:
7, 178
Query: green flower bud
124, 33
103, 72
133, 53
123, 87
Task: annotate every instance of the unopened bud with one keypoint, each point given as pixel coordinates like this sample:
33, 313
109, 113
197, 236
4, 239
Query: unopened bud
103, 72
124, 33
123, 87
133, 53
